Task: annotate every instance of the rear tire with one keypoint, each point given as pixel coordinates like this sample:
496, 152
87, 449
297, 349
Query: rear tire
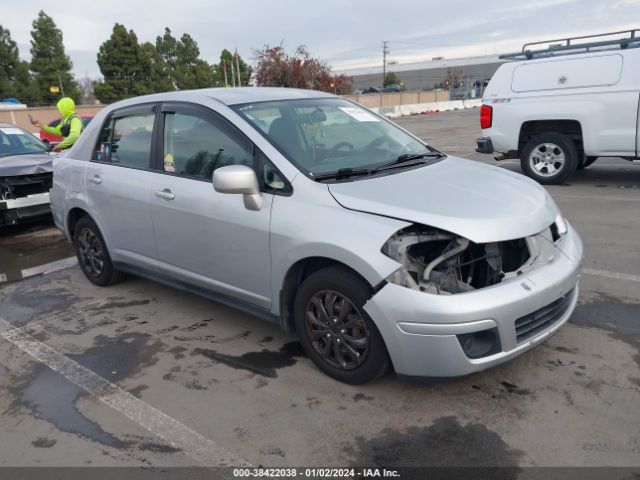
335, 331
549, 158
93, 256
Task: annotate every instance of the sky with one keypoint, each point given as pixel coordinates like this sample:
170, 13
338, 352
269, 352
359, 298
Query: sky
347, 34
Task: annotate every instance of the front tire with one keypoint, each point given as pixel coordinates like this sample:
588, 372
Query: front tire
93, 256
335, 331
549, 158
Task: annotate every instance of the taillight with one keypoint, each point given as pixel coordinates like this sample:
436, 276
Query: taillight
486, 116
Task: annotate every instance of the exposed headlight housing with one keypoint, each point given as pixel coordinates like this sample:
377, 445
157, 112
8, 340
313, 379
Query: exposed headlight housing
439, 262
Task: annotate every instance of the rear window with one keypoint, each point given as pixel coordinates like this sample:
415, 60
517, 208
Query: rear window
126, 141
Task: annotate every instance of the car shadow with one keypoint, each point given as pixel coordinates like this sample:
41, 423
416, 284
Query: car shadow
605, 173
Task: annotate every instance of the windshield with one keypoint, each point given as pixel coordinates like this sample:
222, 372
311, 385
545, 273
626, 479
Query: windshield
329, 134
16, 141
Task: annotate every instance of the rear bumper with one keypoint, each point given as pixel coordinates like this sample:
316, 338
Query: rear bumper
421, 330
13, 211
484, 145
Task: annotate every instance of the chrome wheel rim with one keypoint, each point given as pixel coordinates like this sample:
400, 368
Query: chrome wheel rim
90, 252
337, 330
547, 159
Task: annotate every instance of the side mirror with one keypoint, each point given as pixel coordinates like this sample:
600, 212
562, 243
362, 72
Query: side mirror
239, 179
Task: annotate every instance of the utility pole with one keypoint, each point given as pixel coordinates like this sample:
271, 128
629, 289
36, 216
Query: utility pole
238, 66
61, 87
385, 52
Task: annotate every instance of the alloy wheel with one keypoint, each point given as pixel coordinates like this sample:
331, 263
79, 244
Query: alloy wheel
547, 159
337, 330
90, 252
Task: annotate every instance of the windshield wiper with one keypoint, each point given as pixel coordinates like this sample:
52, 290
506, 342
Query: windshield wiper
408, 157
401, 160
343, 173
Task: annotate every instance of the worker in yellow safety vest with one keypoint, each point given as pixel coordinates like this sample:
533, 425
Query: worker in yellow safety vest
69, 128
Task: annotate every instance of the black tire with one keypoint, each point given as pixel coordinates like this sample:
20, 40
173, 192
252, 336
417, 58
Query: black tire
555, 172
347, 334
92, 253
586, 161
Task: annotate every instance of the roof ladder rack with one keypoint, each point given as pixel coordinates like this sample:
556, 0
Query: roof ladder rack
569, 45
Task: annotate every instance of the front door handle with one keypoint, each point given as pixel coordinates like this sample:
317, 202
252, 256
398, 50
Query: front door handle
95, 179
166, 194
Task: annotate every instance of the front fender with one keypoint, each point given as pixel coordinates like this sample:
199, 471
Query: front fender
311, 224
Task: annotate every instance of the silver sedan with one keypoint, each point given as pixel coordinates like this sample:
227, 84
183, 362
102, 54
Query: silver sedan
326, 219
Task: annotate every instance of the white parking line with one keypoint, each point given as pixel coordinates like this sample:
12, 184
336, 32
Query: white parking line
615, 275
178, 435
50, 267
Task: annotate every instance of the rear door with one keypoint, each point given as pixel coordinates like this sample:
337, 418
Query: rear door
118, 180
203, 237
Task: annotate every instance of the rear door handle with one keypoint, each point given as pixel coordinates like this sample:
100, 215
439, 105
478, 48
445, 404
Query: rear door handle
95, 179
166, 194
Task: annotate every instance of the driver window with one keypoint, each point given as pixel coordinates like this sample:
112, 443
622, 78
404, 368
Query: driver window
195, 146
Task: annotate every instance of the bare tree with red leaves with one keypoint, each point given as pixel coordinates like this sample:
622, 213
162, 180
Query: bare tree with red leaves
277, 68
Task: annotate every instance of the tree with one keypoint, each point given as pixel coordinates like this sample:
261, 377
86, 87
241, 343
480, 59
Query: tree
125, 65
160, 75
15, 79
391, 79
297, 70
182, 57
230, 62
9, 61
49, 63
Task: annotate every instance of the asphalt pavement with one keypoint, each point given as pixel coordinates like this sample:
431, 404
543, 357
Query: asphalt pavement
140, 374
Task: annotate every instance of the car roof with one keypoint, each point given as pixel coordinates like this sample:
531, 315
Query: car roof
228, 96
9, 125
234, 96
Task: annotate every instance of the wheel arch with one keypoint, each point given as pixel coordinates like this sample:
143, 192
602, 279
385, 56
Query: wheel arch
294, 277
73, 216
571, 128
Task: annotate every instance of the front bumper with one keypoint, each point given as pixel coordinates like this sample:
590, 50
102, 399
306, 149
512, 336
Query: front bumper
13, 211
420, 329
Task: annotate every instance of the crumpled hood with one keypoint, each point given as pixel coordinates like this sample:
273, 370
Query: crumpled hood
476, 201
15, 165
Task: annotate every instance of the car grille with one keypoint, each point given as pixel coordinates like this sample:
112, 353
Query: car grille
534, 323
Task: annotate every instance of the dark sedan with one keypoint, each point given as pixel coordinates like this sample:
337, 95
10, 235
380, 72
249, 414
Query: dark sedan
26, 174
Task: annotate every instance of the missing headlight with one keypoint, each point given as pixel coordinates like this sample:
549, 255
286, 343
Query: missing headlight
440, 262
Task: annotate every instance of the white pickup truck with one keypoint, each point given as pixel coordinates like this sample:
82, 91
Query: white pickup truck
559, 108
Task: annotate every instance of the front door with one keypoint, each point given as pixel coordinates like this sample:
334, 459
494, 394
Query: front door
203, 237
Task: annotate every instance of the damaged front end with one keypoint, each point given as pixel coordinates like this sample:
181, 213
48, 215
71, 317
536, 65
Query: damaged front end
439, 262
24, 197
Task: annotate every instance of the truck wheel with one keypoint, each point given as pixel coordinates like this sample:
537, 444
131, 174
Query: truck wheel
549, 158
334, 329
92, 253
586, 161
